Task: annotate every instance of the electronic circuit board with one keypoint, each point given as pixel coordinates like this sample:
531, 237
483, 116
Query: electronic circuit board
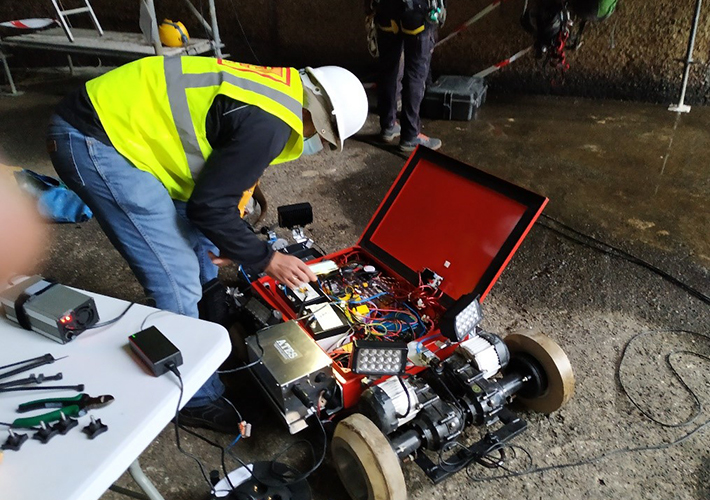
358, 300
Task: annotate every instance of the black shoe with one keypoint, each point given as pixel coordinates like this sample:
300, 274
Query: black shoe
219, 416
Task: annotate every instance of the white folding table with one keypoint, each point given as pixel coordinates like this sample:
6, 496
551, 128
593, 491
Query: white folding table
73, 467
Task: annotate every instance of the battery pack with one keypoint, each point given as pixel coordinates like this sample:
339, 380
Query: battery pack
326, 320
308, 295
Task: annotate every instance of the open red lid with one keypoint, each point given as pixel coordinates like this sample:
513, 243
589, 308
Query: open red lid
453, 219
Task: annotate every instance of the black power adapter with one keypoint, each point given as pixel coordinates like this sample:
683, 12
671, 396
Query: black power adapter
155, 350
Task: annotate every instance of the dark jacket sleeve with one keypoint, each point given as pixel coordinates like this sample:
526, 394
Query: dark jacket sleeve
245, 140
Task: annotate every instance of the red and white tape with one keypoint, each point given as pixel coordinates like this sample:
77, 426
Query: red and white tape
471, 21
503, 63
29, 24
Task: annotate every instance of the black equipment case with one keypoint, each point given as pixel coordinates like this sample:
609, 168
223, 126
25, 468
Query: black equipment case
454, 98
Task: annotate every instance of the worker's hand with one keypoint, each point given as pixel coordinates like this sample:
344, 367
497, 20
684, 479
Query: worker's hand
289, 270
23, 234
218, 261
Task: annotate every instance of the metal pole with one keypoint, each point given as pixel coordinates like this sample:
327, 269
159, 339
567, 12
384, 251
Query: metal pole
13, 89
199, 16
63, 21
157, 46
94, 19
681, 107
142, 480
215, 30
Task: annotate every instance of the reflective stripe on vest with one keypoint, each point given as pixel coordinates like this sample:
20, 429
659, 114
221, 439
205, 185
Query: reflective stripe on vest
154, 111
178, 82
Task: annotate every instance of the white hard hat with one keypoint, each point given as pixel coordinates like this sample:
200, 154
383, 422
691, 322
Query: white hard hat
336, 101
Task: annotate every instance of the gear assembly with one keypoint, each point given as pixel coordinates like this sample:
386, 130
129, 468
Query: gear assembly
388, 343
430, 411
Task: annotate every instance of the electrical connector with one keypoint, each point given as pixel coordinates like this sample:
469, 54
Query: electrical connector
245, 429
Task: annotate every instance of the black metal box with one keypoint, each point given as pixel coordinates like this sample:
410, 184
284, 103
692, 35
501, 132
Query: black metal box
454, 98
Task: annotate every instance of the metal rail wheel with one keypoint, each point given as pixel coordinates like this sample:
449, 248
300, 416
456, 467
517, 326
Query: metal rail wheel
548, 366
365, 461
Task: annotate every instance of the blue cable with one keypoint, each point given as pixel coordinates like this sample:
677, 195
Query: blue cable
369, 299
239, 436
246, 277
394, 319
417, 315
421, 341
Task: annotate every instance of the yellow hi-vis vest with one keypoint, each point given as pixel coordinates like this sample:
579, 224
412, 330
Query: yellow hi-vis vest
154, 111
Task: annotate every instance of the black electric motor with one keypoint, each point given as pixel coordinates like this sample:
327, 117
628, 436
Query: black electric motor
431, 410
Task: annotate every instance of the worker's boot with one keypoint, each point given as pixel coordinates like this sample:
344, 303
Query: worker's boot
218, 415
429, 142
389, 134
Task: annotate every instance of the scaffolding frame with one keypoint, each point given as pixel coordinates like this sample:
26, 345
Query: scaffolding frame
126, 45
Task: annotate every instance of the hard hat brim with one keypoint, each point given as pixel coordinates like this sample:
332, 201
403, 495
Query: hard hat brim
319, 105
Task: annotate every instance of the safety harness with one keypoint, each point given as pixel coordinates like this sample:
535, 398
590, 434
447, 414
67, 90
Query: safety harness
552, 28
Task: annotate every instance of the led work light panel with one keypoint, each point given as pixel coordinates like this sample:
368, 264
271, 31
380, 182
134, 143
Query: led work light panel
461, 319
379, 358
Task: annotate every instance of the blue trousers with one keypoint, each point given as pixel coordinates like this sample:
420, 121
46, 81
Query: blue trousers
167, 254
417, 59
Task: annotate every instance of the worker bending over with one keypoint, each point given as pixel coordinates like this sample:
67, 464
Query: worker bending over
166, 152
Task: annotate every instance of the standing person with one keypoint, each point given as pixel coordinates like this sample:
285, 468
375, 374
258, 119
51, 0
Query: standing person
404, 25
166, 152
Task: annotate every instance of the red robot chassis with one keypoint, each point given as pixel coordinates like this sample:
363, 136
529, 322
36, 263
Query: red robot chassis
388, 343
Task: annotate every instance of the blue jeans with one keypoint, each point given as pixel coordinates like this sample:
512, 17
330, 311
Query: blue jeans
167, 254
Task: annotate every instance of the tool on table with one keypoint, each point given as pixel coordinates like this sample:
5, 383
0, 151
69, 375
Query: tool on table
31, 360
69, 407
44, 434
79, 388
30, 364
65, 424
14, 441
95, 428
32, 379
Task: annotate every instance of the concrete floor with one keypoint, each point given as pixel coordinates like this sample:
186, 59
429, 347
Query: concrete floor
633, 175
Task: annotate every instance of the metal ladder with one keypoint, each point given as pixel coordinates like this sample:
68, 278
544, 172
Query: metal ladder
63, 14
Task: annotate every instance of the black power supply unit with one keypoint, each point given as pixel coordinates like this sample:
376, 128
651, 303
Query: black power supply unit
155, 350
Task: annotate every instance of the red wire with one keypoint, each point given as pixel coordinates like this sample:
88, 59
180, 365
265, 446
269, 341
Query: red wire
559, 59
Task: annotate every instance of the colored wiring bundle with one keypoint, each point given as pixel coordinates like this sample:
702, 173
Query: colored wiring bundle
375, 310
377, 306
